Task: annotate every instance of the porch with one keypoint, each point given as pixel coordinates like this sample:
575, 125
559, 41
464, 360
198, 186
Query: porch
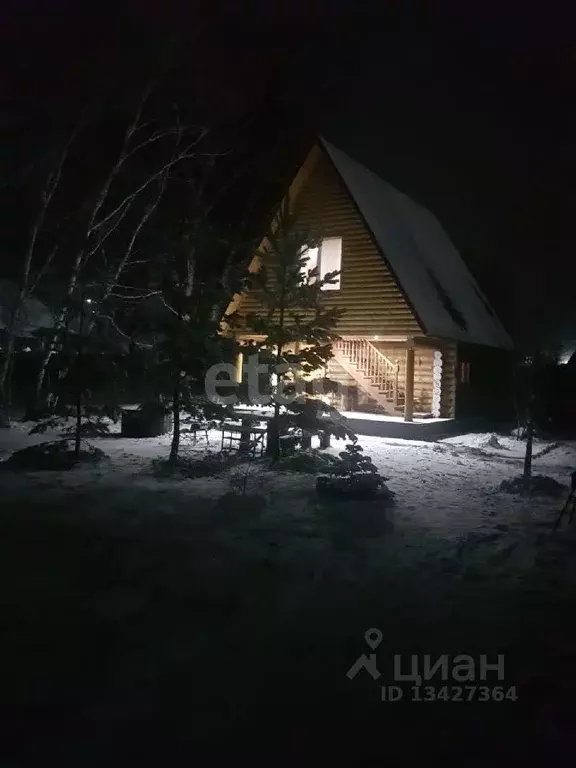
379, 425
404, 379
361, 423
399, 379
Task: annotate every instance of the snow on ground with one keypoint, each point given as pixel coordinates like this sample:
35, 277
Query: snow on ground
129, 460
448, 489
363, 416
124, 591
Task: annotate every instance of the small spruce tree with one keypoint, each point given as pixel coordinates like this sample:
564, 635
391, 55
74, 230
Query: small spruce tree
92, 365
188, 278
354, 475
297, 329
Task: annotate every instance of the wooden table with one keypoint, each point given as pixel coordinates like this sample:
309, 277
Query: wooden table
244, 436
249, 417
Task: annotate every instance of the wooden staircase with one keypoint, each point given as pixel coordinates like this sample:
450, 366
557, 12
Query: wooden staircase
372, 372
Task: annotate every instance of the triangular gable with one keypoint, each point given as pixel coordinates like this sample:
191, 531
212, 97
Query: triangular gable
373, 303
427, 266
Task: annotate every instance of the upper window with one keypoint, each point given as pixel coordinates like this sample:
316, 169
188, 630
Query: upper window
326, 258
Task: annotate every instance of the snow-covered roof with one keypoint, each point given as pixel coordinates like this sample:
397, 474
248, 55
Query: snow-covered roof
425, 262
34, 315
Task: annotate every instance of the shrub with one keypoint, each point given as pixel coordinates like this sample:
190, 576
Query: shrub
54, 455
353, 475
95, 421
309, 462
540, 485
187, 467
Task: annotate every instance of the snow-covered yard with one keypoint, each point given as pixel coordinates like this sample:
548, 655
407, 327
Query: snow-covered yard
446, 489
127, 594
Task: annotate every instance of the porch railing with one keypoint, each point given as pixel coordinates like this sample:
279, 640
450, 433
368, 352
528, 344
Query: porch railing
382, 372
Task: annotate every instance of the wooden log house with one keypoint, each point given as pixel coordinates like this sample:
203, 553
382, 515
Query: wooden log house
410, 302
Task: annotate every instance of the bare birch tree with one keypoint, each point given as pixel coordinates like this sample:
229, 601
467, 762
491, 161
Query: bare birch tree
108, 212
29, 279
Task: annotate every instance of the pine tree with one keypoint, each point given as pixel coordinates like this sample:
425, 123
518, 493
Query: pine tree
93, 364
188, 339
297, 329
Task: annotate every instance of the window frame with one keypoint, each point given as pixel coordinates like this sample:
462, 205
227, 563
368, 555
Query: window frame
318, 264
320, 270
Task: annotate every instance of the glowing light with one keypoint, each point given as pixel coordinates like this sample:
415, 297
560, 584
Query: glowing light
331, 261
325, 259
88, 301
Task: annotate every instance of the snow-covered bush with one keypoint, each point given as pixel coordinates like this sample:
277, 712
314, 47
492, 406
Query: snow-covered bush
94, 421
353, 475
494, 442
309, 462
53, 455
540, 485
189, 467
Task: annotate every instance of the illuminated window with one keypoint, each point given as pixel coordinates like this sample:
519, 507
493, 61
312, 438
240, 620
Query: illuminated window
325, 259
331, 260
464, 373
312, 263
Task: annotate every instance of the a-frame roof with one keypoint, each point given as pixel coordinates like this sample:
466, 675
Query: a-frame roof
425, 262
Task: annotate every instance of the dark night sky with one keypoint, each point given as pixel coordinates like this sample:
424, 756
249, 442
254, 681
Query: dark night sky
473, 117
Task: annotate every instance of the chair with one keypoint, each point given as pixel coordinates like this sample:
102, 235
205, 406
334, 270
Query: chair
194, 427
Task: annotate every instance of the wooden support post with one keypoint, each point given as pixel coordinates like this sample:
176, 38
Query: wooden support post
244, 444
238, 366
409, 385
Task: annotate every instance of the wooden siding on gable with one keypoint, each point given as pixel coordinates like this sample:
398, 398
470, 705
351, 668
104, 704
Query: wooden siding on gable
373, 303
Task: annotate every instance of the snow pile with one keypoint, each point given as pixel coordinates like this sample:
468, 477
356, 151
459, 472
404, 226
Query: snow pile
504, 445
53, 455
192, 467
540, 485
494, 442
